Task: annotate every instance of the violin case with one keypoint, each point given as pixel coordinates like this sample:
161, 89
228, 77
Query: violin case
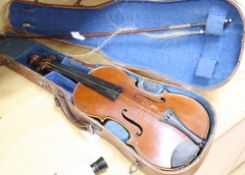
179, 64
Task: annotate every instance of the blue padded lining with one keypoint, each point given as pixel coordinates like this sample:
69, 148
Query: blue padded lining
150, 87
215, 22
117, 130
75, 65
206, 68
209, 58
13, 48
63, 82
175, 58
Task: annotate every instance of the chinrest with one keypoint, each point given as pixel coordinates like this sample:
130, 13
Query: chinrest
184, 153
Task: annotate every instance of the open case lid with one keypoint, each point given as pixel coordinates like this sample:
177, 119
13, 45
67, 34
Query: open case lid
198, 60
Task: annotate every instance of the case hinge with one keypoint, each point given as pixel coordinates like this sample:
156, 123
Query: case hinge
5, 63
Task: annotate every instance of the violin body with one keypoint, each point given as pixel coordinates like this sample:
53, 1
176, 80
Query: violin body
140, 113
167, 130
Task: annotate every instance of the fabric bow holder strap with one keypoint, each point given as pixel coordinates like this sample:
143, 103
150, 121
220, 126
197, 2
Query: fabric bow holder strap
212, 46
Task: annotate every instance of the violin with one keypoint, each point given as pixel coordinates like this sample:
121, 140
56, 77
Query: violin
166, 130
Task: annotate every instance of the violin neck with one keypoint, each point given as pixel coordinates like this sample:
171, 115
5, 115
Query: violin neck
103, 87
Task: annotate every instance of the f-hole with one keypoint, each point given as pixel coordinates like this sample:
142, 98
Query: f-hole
131, 121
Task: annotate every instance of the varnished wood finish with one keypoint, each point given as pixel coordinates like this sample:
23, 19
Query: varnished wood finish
139, 112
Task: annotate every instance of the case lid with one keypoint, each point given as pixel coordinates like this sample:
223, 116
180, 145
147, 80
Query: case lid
202, 56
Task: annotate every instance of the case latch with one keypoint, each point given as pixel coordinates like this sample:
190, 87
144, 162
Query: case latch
78, 2
43, 84
135, 167
60, 102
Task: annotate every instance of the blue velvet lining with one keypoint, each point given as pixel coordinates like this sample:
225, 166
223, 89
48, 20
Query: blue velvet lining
63, 82
118, 130
215, 22
209, 57
179, 59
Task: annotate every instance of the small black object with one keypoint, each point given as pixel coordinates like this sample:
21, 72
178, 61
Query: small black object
99, 165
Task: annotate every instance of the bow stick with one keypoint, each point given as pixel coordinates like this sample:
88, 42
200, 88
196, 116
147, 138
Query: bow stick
122, 32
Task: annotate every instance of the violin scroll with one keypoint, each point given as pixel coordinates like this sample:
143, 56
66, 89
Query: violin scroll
41, 64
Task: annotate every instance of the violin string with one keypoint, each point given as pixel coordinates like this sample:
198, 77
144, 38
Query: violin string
76, 75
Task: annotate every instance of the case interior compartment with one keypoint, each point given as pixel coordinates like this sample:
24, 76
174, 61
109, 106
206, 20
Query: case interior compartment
201, 61
27, 47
